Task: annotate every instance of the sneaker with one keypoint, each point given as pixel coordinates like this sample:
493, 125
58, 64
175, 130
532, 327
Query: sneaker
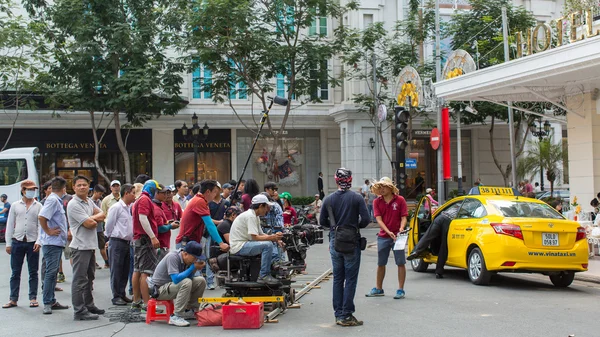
211, 286
119, 301
47, 309
375, 293
96, 310
399, 294
88, 316
137, 306
348, 321
188, 314
61, 278
178, 321
98, 266
268, 280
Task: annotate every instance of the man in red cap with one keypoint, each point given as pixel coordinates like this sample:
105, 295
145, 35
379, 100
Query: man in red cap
21, 241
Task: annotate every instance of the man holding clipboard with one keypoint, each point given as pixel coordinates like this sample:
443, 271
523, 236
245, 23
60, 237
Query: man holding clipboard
391, 212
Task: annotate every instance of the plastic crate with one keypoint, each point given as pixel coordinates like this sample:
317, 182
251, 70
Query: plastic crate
243, 316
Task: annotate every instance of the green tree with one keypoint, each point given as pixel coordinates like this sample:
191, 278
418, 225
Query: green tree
542, 155
22, 51
112, 57
389, 52
246, 45
479, 32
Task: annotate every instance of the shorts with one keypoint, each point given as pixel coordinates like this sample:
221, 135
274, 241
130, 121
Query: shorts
384, 245
67, 251
101, 240
145, 259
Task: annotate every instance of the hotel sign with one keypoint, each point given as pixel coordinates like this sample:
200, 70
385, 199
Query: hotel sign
569, 29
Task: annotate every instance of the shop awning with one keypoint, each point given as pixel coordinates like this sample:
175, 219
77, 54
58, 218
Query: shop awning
549, 76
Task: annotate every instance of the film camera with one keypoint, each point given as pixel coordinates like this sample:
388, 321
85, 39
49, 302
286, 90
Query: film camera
298, 238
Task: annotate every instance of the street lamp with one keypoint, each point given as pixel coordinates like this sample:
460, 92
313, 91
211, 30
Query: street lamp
372, 143
195, 137
540, 133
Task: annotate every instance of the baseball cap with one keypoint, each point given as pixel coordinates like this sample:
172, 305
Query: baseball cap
193, 248
115, 182
261, 199
227, 185
317, 195
170, 188
4, 196
28, 184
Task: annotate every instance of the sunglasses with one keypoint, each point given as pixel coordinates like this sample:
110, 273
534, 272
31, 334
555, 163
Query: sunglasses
275, 188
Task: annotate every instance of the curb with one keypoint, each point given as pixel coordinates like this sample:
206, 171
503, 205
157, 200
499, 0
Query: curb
587, 278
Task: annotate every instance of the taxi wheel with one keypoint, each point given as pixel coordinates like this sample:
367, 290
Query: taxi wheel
476, 268
419, 265
563, 279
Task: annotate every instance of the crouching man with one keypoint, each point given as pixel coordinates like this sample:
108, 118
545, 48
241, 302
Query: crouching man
174, 279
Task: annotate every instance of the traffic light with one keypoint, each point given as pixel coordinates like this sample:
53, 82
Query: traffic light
401, 118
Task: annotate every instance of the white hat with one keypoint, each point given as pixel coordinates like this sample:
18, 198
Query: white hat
429, 190
261, 199
219, 185
115, 182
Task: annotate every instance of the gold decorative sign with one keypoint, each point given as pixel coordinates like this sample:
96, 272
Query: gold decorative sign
73, 146
580, 20
185, 145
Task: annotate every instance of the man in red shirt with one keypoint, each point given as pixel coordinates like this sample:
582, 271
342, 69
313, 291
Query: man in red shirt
165, 225
173, 212
197, 216
145, 237
391, 213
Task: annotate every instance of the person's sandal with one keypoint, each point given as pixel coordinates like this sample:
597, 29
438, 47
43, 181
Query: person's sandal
33, 304
8, 305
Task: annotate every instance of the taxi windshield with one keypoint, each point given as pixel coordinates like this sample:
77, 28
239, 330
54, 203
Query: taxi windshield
524, 209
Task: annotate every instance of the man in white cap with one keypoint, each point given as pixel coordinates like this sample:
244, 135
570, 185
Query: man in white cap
391, 212
315, 207
113, 198
248, 239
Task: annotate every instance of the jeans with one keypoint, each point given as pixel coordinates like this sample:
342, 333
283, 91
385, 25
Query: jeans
345, 279
84, 273
265, 249
370, 208
17, 257
206, 243
52, 256
119, 261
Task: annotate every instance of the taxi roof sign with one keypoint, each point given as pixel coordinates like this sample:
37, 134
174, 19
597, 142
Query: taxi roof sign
490, 190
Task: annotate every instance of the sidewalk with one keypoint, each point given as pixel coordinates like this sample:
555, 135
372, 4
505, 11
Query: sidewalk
593, 273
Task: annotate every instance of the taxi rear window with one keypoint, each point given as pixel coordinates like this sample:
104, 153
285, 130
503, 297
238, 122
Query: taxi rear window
524, 209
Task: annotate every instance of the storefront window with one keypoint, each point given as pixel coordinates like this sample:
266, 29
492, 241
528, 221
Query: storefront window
293, 166
211, 165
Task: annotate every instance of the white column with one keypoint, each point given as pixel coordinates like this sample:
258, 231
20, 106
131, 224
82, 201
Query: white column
163, 156
584, 150
233, 154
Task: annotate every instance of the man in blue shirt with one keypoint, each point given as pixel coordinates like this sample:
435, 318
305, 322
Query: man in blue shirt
5, 209
53, 238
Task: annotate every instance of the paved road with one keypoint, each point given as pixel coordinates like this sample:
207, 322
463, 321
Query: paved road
513, 305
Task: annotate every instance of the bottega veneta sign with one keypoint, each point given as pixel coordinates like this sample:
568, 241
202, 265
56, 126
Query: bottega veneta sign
568, 29
74, 146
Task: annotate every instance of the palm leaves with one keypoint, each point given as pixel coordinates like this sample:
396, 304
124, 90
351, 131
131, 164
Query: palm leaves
542, 155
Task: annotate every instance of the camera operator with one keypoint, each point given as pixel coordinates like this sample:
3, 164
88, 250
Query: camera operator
224, 227
248, 239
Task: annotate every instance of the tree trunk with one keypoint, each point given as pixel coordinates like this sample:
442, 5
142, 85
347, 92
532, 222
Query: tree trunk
122, 147
97, 149
12, 128
504, 174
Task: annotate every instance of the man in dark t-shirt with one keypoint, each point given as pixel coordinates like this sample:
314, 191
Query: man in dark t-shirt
225, 227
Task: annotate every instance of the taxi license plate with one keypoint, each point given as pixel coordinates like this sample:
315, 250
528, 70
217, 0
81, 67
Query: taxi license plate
550, 239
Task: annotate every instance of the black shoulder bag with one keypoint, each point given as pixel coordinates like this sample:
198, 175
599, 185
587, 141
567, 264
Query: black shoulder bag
346, 237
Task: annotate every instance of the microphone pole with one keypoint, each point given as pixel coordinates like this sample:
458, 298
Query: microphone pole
278, 100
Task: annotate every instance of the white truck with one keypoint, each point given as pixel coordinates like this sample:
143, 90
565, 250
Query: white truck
16, 165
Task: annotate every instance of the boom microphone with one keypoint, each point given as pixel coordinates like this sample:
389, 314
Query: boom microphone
280, 100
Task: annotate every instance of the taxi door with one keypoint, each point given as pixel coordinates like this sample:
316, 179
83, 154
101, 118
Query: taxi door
461, 230
419, 224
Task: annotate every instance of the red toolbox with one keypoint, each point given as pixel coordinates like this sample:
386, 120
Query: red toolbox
243, 316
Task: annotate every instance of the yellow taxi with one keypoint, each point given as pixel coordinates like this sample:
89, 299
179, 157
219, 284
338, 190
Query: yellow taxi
497, 230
